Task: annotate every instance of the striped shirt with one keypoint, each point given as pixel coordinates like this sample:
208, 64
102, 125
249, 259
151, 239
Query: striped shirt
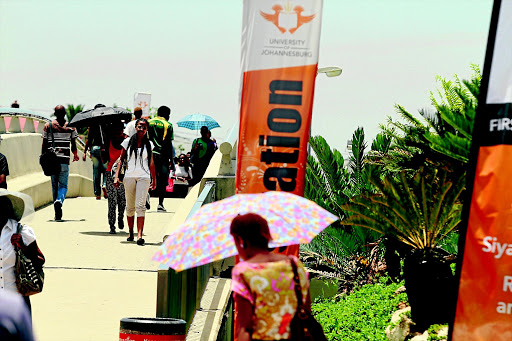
62, 136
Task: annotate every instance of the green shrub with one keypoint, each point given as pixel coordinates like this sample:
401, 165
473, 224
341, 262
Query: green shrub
433, 330
362, 315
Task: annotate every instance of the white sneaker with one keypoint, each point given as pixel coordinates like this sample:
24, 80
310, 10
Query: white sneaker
161, 208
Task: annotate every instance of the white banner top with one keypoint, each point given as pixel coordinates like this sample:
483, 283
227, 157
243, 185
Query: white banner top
143, 100
275, 29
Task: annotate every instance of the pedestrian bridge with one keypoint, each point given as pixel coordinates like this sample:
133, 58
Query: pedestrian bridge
93, 279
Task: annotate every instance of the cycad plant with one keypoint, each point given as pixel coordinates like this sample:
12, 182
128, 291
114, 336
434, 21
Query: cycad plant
418, 212
348, 254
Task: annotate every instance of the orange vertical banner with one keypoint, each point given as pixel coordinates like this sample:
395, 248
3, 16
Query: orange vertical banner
484, 303
280, 44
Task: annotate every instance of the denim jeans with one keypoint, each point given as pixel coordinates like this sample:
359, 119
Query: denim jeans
60, 183
98, 170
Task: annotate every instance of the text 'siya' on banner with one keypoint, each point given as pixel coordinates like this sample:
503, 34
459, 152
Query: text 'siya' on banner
484, 305
280, 41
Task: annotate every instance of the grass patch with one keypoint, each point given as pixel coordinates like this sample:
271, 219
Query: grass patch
362, 315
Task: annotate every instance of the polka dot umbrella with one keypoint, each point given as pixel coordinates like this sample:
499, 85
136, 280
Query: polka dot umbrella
205, 236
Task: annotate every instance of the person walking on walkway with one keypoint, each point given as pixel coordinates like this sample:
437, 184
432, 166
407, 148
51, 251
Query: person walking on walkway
161, 134
116, 195
4, 169
262, 284
97, 142
130, 130
63, 136
12, 207
183, 170
200, 155
139, 177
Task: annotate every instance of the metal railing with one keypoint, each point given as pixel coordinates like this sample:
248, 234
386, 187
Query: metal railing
179, 293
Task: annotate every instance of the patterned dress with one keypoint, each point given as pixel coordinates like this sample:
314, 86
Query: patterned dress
270, 289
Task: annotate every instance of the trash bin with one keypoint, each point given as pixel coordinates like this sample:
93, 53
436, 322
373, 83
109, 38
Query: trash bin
152, 329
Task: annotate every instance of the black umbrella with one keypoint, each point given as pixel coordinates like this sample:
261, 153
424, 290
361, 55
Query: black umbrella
101, 115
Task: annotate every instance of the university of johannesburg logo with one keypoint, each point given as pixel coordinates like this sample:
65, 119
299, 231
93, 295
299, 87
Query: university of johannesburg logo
289, 18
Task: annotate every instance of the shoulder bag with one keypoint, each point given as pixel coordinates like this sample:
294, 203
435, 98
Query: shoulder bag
303, 326
124, 165
49, 160
29, 280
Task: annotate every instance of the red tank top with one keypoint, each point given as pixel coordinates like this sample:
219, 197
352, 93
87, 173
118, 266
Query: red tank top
114, 154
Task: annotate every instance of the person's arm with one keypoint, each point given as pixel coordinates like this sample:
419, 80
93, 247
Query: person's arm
87, 144
44, 145
244, 318
195, 146
3, 181
152, 172
122, 157
74, 150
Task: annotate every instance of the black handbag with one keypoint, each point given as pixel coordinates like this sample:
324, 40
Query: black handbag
303, 326
49, 160
29, 280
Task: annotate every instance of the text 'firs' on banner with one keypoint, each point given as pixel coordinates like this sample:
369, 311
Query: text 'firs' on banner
484, 304
280, 41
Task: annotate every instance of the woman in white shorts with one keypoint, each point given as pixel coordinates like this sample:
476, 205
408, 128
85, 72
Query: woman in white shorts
139, 176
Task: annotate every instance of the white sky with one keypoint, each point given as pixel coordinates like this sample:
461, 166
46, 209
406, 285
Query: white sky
187, 55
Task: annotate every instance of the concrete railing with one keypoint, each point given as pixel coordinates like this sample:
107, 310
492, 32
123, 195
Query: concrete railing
20, 120
22, 151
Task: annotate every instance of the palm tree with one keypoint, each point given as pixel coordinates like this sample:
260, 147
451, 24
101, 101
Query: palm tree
72, 110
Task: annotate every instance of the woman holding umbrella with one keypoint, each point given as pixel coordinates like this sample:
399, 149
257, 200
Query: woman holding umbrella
263, 283
139, 176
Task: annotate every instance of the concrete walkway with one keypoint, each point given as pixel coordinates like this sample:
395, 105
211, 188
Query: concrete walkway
92, 278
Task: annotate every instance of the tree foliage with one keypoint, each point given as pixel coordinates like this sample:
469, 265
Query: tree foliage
439, 138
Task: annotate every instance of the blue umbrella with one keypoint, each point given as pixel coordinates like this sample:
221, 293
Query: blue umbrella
196, 121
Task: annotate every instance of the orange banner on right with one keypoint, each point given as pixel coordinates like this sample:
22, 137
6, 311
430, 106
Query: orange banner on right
484, 303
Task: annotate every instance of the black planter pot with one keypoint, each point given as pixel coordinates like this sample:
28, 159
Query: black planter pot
430, 287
